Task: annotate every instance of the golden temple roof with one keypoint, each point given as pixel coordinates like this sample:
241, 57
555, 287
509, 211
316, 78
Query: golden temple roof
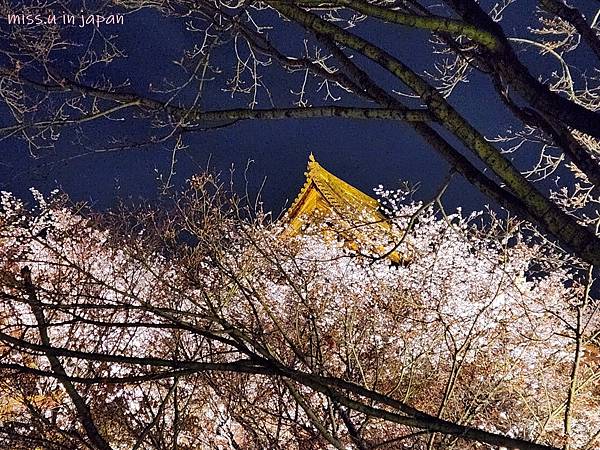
326, 193
358, 218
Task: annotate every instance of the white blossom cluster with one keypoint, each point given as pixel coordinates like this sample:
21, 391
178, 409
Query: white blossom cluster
465, 328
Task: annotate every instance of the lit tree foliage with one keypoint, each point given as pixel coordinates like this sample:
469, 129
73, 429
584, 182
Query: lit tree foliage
203, 328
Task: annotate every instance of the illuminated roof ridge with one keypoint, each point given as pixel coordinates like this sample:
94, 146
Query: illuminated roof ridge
361, 219
339, 195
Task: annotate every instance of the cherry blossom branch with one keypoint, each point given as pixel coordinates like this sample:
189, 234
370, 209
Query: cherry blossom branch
83, 410
325, 385
574, 376
417, 419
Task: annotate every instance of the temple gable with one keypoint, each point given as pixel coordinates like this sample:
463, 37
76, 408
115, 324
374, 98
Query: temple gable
339, 209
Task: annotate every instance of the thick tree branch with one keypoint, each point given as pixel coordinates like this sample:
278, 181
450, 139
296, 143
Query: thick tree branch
505, 62
561, 135
434, 24
197, 117
314, 112
572, 235
194, 115
417, 419
488, 187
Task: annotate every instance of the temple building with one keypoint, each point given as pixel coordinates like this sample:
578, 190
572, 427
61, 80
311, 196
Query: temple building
342, 212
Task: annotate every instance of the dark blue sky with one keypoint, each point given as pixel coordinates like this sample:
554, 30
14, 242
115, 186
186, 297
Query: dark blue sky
365, 154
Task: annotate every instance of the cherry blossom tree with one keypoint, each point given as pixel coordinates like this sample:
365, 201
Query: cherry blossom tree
208, 325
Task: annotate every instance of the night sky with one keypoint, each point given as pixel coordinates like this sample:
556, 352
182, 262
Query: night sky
365, 154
